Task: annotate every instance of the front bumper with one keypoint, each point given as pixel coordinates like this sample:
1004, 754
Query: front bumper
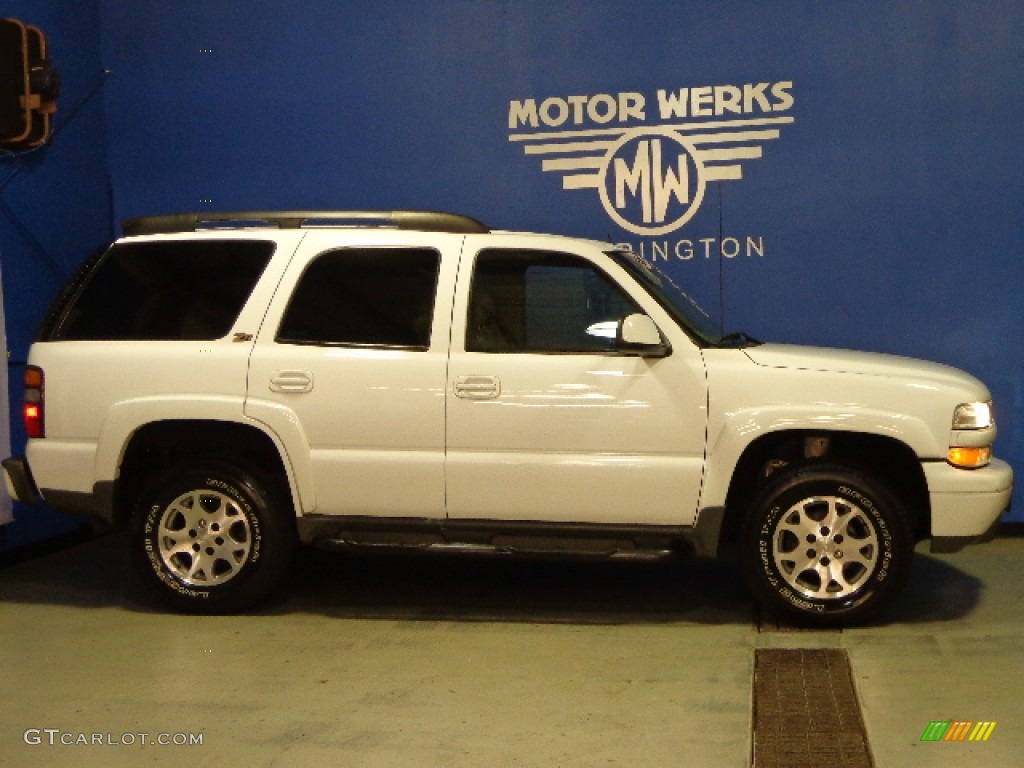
966, 503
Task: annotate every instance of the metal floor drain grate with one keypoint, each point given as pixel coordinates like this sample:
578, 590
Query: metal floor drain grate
806, 713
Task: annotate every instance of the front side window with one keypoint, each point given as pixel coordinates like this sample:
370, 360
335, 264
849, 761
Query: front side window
375, 297
169, 290
543, 302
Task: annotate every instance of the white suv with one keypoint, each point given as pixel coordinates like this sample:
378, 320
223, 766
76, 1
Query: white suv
228, 384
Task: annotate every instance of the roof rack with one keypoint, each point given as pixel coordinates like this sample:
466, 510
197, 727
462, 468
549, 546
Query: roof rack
423, 221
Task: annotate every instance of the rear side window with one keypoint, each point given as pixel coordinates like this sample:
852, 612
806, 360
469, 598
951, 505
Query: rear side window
373, 297
185, 289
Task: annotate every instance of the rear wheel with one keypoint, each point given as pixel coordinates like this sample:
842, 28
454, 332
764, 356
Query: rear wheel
211, 539
826, 545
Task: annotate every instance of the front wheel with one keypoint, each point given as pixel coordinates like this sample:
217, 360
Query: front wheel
210, 539
826, 545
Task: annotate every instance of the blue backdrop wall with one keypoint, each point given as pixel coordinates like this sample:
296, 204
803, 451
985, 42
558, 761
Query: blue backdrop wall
845, 174
54, 208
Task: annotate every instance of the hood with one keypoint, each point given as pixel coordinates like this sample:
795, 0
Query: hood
862, 363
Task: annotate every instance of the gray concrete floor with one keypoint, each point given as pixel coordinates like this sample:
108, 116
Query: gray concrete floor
397, 661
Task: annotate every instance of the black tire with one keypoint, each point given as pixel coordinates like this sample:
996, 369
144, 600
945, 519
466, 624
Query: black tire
211, 539
826, 545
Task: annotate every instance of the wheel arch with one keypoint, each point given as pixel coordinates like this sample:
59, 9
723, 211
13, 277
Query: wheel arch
891, 461
155, 447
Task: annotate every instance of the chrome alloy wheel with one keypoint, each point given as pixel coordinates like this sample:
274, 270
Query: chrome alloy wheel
204, 538
825, 547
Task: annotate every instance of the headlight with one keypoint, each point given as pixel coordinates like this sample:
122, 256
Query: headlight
972, 416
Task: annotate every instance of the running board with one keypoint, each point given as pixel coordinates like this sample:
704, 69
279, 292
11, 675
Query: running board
468, 548
501, 538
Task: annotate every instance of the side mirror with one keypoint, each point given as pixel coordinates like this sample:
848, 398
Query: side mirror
637, 333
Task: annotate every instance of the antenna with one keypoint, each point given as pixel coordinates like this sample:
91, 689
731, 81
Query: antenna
721, 269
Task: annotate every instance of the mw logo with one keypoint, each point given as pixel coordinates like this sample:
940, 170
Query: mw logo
652, 181
651, 178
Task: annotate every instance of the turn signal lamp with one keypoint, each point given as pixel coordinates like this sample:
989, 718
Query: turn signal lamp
969, 458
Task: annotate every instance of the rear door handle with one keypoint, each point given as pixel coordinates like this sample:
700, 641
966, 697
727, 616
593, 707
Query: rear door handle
477, 387
291, 382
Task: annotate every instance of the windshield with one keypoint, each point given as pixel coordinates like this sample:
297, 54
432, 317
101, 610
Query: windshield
677, 302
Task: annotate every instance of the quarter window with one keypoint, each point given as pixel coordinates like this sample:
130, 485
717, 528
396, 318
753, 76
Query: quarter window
175, 289
539, 301
364, 297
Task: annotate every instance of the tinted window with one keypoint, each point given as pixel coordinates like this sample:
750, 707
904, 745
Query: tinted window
185, 289
364, 297
531, 301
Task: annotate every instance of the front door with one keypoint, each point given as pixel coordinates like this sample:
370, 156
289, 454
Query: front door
547, 420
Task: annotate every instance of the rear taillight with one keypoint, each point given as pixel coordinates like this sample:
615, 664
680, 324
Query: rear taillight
35, 409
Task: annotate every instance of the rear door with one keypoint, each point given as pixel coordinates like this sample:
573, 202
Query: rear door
350, 370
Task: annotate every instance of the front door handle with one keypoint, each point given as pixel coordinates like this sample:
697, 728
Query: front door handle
291, 382
477, 387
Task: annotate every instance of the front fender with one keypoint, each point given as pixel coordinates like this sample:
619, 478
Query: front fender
737, 431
